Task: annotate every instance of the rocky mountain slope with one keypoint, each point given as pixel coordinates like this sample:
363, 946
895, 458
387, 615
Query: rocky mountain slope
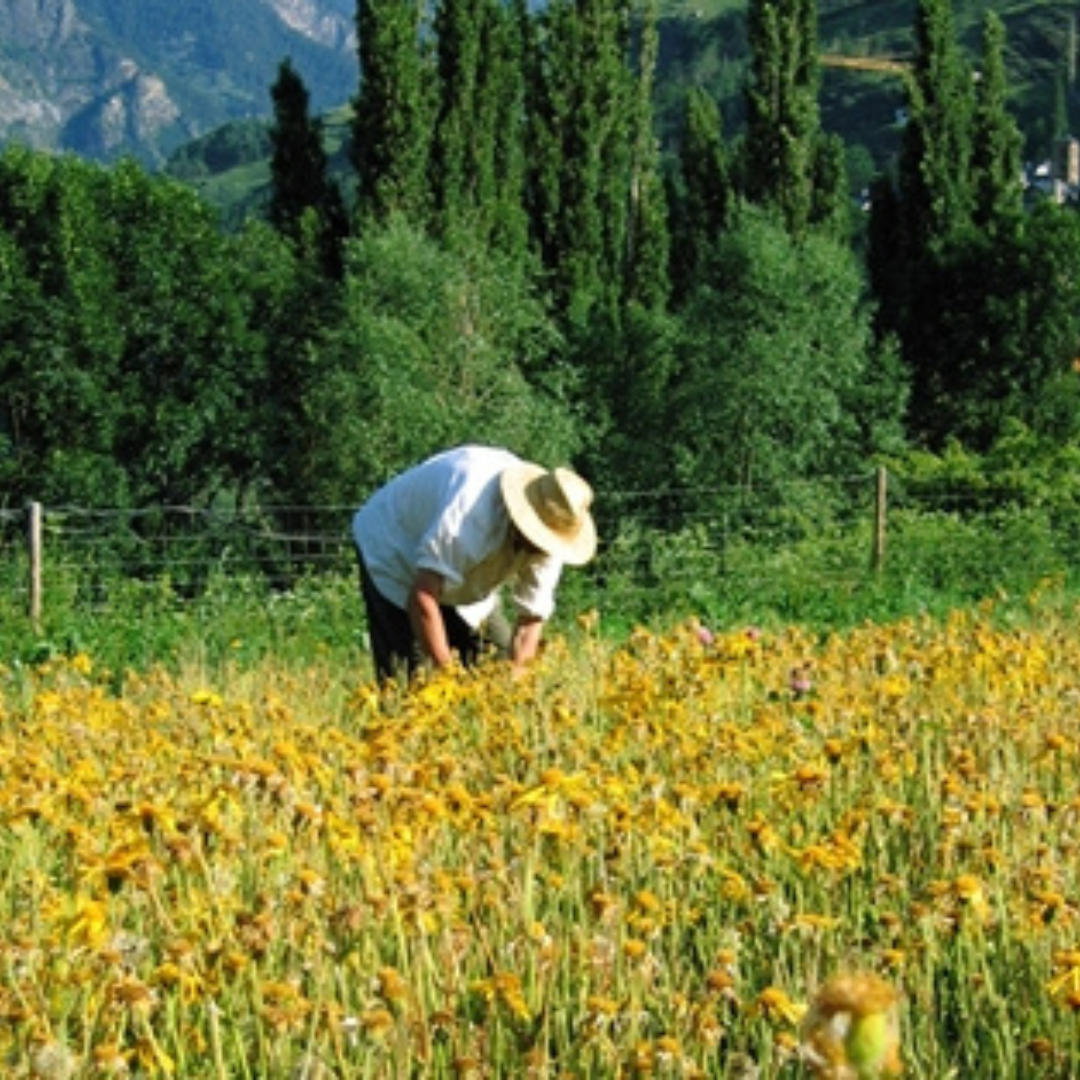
107, 78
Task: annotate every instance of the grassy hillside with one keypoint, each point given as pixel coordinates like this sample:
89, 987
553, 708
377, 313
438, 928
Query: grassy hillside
703, 42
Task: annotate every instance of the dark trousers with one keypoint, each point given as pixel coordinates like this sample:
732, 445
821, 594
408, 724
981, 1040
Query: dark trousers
394, 647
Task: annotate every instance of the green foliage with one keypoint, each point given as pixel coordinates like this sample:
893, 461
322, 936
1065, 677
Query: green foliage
394, 118
776, 352
935, 178
782, 120
1020, 471
478, 154
943, 553
629, 368
305, 204
582, 134
230, 146
997, 139
136, 341
992, 331
235, 622
145, 356
431, 352
700, 207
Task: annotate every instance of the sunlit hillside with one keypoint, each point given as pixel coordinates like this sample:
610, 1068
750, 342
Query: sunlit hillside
864, 45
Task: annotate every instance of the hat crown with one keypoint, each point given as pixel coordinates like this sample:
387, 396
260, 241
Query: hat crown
561, 500
551, 510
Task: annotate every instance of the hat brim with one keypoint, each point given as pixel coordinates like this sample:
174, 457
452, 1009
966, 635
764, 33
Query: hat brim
574, 551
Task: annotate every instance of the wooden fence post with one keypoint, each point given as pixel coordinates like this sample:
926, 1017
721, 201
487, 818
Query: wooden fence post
36, 555
881, 513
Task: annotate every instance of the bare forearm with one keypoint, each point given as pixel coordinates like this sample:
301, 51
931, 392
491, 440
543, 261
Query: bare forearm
526, 640
426, 618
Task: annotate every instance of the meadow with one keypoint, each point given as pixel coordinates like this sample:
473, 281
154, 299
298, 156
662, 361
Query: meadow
690, 850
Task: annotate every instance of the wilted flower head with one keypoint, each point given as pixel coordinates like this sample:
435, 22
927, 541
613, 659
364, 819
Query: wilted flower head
852, 1031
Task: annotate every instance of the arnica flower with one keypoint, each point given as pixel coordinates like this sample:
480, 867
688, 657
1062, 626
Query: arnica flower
1066, 982
392, 987
852, 1031
774, 1004
970, 894
377, 1023
503, 989
601, 1011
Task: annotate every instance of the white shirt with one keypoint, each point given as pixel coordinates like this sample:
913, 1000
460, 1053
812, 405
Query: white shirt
447, 515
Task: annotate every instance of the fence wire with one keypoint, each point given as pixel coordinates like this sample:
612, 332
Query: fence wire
651, 536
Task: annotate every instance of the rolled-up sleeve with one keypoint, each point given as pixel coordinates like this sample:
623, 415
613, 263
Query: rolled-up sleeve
534, 588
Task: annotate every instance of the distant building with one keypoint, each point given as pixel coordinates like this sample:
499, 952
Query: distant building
1066, 164
1059, 177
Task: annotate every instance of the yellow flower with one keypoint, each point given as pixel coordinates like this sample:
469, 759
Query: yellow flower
600, 1009
1067, 981
512, 996
183, 977
378, 1023
132, 993
81, 663
775, 1004
392, 987
87, 924
970, 893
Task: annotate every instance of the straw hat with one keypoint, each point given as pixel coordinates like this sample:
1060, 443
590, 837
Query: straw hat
551, 509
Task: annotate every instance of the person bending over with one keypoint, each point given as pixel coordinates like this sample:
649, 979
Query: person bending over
444, 536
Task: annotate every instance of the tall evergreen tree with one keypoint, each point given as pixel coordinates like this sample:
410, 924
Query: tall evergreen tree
935, 159
704, 197
478, 157
627, 354
998, 191
582, 151
647, 278
964, 277
301, 187
392, 128
783, 124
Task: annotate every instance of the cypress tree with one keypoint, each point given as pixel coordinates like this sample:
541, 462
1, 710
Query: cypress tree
704, 200
392, 128
462, 156
581, 150
648, 242
507, 107
477, 173
949, 255
998, 191
935, 157
783, 127
299, 175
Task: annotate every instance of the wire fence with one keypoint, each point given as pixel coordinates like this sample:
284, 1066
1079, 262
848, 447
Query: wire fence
858, 524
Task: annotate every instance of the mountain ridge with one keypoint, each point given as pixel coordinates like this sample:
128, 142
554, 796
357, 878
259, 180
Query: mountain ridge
112, 78
146, 78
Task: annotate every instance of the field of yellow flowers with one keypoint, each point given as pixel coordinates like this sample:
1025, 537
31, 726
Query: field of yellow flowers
732, 854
